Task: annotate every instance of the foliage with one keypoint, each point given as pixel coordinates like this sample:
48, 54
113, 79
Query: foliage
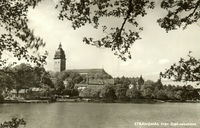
181, 13
17, 37
158, 84
1, 97
41, 77
14, 123
72, 78
90, 92
108, 92
140, 82
133, 93
147, 93
6, 81
161, 95
184, 70
59, 86
156, 90
13, 19
123, 81
24, 76
70, 92
120, 91
118, 39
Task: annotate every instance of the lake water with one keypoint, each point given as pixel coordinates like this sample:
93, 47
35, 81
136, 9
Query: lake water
96, 115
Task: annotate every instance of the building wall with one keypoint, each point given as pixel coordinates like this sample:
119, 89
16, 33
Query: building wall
59, 65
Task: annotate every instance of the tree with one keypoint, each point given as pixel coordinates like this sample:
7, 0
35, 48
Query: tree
133, 93
123, 81
108, 92
120, 91
70, 92
90, 92
13, 19
178, 95
140, 82
158, 84
74, 92
148, 84
72, 78
41, 77
17, 37
161, 95
119, 39
85, 93
23, 76
59, 86
185, 70
147, 93
181, 13
6, 81
170, 94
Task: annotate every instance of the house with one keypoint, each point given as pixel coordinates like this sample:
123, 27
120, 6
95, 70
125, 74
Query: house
94, 83
13, 94
25, 93
130, 86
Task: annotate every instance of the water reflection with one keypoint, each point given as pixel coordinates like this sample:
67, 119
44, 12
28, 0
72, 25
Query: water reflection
91, 115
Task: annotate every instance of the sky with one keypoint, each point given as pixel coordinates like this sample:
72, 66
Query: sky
156, 50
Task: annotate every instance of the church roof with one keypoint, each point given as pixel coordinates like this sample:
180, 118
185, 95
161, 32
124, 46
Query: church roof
91, 72
86, 70
59, 54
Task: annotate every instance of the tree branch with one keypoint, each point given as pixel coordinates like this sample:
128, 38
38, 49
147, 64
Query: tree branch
195, 8
130, 8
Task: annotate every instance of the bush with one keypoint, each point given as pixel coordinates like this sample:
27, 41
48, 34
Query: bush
108, 93
14, 123
1, 98
133, 93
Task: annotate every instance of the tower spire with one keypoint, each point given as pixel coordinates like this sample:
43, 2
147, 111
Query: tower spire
60, 45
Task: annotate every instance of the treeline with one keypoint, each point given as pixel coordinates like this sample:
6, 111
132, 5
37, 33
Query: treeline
25, 77
126, 89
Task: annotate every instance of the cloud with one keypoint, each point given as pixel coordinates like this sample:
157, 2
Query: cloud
163, 61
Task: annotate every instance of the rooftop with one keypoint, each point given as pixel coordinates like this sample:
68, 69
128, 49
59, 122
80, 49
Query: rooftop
59, 54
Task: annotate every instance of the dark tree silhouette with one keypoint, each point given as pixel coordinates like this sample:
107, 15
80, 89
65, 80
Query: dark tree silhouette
14, 22
184, 70
181, 13
118, 39
16, 36
14, 123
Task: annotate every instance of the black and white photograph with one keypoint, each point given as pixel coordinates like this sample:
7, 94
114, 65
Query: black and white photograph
99, 63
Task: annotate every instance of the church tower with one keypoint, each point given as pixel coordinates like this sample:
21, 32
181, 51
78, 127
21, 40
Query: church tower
59, 60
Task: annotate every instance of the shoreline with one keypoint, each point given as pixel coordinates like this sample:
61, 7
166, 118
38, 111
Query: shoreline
133, 101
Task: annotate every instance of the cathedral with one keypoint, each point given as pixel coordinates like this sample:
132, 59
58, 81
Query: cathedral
94, 76
60, 65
